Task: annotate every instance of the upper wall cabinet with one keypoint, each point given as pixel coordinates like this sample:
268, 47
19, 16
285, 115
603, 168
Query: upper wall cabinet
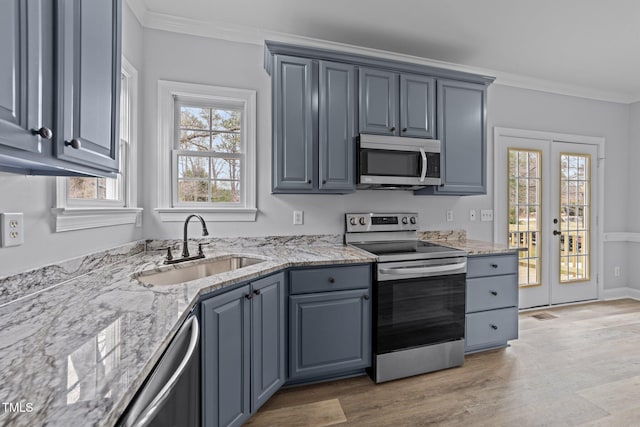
462, 132
317, 117
313, 126
396, 104
59, 87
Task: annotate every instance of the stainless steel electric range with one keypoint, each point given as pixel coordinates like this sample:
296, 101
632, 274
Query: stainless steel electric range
418, 296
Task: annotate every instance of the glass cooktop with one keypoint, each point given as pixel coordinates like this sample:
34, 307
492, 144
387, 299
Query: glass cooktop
401, 250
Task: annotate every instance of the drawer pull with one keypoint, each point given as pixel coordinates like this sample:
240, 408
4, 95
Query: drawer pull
332, 280
249, 296
365, 296
494, 293
494, 265
494, 327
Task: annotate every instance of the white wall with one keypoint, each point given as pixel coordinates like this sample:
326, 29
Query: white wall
35, 196
633, 206
171, 56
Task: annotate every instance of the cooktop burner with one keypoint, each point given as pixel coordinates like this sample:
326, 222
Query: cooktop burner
404, 247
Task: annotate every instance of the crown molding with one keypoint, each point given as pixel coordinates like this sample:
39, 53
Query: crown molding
251, 35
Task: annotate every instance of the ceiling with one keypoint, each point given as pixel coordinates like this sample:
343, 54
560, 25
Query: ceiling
585, 47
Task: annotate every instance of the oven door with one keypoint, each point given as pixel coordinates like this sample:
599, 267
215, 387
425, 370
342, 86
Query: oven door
418, 311
415, 164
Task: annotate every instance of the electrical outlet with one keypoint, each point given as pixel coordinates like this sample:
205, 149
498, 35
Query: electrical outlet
472, 214
616, 271
12, 226
298, 217
486, 215
449, 216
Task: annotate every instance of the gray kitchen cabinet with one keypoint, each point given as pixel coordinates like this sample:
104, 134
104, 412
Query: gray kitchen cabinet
20, 72
293, 124
87, 76
337, 127
491, 301
462, 131
313, 126
396, 104
243, 350
378, 96
60, 57
329, 330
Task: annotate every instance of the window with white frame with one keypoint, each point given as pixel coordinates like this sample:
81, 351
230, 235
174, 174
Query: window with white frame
206, 158
98, 202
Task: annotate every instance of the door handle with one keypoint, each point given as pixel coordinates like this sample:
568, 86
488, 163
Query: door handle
423, 174
556, 233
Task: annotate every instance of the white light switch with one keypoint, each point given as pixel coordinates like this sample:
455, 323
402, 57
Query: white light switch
12, 228
449, 216
298, 217
486, 215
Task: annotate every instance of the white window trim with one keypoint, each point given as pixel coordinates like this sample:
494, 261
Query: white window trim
82, 215
167, 91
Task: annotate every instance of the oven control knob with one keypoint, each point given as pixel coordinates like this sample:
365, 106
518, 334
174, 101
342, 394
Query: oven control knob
405, 220
413, 220
363, 220
352, 221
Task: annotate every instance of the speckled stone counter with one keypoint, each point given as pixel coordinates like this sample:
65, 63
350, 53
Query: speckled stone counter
458, 239
74, 354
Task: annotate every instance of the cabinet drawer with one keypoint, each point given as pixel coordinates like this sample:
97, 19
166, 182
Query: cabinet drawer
330, 279
479, 266
491, 328
488, 293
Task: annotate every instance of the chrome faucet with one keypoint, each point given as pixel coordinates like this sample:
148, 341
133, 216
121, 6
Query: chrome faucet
185, 244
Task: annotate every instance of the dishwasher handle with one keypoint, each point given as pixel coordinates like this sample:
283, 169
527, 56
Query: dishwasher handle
148, 414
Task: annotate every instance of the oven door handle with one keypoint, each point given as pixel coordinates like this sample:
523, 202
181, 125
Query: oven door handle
423, 270
423, 174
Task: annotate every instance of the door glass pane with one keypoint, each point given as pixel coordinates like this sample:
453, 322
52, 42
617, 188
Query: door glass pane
575, 212
524, 211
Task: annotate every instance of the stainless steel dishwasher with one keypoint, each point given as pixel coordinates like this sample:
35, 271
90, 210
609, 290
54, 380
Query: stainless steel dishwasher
171, 395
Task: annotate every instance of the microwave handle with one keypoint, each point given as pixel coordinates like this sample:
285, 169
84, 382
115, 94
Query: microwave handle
423, 174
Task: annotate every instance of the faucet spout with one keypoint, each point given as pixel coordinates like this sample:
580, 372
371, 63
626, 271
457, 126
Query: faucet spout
205, 232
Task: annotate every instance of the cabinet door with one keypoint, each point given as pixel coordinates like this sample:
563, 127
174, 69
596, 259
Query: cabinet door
378, 102
417, 106
226, 333
268, 334
88, 82
336, 126
462, 130
329, 333
20, 74
293, 123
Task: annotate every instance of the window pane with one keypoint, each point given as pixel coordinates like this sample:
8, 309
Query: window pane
193, 191
225, 120
226, 142
82, 188
194, 117
225, 191
194, 140
193, 167
225, 169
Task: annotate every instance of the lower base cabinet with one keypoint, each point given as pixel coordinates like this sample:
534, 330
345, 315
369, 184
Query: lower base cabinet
329, 322
492, 301
243, 350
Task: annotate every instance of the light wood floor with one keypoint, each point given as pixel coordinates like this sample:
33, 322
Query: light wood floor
578, 367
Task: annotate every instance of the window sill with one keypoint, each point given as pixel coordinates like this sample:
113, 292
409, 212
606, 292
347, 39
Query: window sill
209, 214
68, 219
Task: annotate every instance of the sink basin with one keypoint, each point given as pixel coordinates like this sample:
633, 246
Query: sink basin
206, 268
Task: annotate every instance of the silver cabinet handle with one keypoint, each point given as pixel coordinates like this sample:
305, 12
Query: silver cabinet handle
421, 270
423, 174
150, 411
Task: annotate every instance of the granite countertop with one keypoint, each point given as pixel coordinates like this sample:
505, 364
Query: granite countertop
457, 239
75, 353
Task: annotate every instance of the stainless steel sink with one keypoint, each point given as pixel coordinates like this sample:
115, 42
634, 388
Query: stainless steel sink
205, 268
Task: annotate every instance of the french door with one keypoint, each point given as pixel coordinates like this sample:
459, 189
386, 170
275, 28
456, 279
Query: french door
546, 200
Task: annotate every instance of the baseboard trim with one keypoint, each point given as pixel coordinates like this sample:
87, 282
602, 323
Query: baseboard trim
619, 293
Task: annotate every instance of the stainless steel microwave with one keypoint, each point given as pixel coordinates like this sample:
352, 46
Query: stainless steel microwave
392, 162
